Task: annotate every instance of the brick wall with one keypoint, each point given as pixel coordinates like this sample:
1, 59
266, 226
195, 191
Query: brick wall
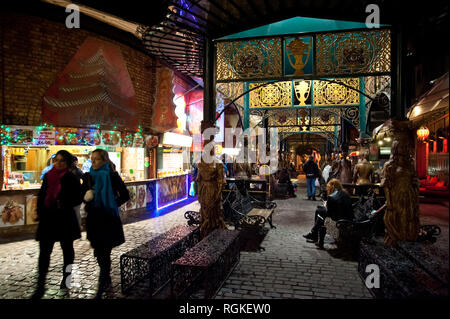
33, 53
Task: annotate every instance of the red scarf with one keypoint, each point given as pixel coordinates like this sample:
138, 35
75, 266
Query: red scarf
54, 185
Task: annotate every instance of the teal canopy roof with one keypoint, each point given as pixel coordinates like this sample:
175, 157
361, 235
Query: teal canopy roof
297, 25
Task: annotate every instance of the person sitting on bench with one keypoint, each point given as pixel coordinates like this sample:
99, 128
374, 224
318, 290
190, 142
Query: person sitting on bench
338, 206
285, 178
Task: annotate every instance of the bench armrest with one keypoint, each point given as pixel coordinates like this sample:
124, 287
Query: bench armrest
236, 215
251, 222
267, 204
193, 217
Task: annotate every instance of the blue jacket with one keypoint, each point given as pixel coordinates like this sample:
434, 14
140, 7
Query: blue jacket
45, 170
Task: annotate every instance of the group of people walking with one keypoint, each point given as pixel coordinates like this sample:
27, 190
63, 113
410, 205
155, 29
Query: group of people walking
64, 188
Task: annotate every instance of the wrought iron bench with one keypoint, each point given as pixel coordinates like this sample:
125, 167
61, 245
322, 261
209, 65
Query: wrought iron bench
152, 260
368, 221
246, 212
249, 216
193, 217
207, 265
240, 211
351, 231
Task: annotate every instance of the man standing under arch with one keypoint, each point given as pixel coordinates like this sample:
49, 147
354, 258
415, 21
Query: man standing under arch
312, 172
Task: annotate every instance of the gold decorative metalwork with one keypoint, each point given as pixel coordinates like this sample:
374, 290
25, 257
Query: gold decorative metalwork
317, 125
304, 119
329, 93
376, 84
232, 90
353, 52
258, 112
278, 94
297, 49
316, 118
327, 135
351, 114
322, 120
283, 117
287, 129
302, 90
256, 120
240, 60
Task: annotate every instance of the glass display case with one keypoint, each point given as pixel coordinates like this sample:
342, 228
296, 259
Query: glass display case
22, 166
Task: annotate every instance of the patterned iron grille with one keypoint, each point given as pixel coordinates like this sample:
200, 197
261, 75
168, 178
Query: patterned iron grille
246, 60
353, 53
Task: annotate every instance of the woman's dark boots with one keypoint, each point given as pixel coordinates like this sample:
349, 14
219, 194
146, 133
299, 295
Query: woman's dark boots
40, 289
312, 236
43, 265
322, 233
104, 280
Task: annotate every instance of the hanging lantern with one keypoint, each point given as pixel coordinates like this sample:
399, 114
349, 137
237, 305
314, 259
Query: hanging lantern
423, 132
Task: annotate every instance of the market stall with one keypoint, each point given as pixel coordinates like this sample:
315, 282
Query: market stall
173, 181
27, 153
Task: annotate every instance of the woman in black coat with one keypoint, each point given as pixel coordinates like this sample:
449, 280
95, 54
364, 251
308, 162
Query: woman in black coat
337, 206
286, 179
59, 194
104, 192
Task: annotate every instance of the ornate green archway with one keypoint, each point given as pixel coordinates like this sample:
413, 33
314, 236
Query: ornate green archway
305, 80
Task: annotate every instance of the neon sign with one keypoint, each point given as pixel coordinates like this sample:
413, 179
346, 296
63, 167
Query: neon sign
174, 202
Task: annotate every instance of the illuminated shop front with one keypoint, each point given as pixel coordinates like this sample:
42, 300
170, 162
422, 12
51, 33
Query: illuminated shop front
431, 118
27, 153
173, 169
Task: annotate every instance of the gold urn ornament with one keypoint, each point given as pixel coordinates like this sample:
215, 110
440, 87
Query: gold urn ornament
297, 48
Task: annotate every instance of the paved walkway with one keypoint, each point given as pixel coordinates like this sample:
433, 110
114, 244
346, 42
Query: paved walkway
288, 268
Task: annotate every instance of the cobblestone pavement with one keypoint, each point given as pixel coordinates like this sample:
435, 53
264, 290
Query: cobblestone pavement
291, 268
288, 268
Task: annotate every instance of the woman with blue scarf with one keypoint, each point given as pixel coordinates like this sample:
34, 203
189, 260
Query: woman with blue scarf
104, 192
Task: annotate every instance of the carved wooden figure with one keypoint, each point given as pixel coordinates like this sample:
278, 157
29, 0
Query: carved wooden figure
401, 187
363, 173
210, 180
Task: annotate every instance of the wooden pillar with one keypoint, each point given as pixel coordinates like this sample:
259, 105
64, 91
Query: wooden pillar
210, 177
399, 176
398, 59
246, 119
209, 82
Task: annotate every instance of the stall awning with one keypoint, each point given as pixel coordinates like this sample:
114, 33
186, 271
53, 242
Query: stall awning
433, 104
170, 138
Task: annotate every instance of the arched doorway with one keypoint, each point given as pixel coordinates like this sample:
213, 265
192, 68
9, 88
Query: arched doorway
300, 146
